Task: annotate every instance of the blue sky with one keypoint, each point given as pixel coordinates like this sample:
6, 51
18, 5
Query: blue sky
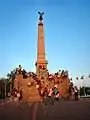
67, 35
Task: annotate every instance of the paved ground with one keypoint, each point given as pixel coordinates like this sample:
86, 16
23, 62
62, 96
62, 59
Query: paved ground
64, 110
4, 100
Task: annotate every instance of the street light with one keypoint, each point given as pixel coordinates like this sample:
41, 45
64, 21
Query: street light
83, 78
5, 88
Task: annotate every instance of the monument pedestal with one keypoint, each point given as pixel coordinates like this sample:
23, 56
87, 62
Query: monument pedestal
18, 81
31, 94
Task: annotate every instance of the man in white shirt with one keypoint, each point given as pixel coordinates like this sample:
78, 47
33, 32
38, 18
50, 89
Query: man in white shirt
76, 93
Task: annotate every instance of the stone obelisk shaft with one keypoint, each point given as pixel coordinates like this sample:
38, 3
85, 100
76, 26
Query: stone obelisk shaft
41, 64
41, 45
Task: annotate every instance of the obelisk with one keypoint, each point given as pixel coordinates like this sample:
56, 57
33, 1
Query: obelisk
41, 63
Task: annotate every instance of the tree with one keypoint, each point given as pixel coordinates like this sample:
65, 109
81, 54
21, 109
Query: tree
3, 89
87, 90
11, 75
81, 91
11, 78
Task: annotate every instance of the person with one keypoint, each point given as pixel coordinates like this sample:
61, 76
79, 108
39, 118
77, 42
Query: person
15, 96
18, 96
46, 91
19, 69
37, 86
76, 93
55, 90
50, 96
57, 96
50, 93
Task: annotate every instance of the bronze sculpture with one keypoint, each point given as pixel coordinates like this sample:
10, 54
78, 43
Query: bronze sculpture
41, 14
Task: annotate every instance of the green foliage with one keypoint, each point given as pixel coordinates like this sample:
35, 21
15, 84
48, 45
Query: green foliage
3, 83
87, 90
84, 90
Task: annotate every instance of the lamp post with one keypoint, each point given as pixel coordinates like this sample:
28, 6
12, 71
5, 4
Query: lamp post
5, 88
83, 78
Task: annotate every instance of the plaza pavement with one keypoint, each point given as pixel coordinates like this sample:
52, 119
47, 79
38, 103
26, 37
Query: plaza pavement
64, 110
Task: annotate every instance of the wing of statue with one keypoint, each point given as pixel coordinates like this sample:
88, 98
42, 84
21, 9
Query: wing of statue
42, 13
39, 13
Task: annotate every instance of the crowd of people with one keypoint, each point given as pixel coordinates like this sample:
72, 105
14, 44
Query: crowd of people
44, 92
53, 92
16, 95
49, 92
73, 91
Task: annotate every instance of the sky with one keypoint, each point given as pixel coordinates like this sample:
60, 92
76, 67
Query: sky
66, 30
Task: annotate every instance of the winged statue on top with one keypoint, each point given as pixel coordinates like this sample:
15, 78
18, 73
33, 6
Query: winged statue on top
40, 15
